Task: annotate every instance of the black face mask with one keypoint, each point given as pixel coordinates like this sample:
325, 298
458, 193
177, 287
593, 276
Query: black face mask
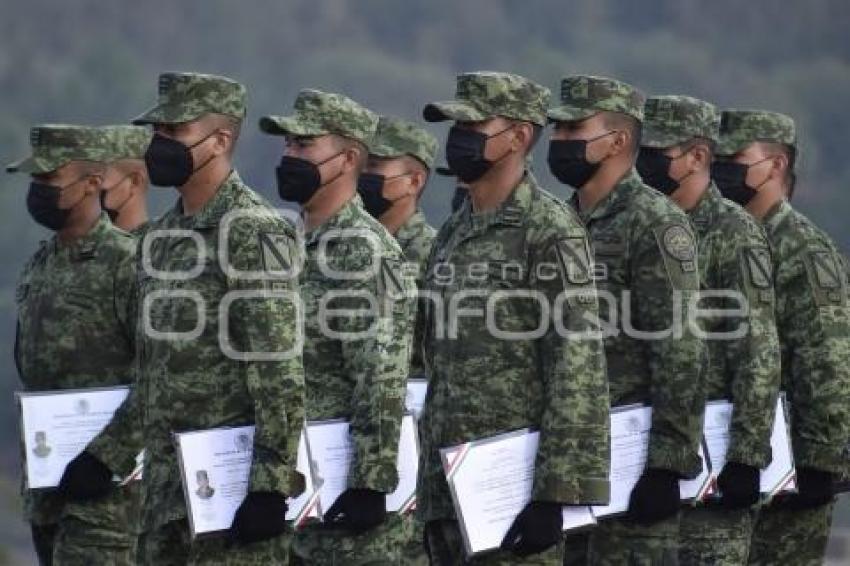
371, 187
465, 153
298, 179
731, 179
568, 161
43, 205
113, 212
170, 162
460, 195
654, 168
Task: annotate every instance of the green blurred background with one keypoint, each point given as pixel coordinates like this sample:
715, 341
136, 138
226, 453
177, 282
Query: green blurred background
96, 62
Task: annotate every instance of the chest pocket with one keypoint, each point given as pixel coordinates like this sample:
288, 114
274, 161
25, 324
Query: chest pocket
610, 267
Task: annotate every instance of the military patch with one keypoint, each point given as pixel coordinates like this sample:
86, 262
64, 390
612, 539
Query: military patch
679, 243
678, 252
758, 266
826, 277
574, 260
390, 283
276, 252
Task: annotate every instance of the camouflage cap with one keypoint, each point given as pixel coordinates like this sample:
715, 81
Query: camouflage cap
319, 113
740, 128
583, 96
184, 97
671, 120
54, 145
396, 137
486, 94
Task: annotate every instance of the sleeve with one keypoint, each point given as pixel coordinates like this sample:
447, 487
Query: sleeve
814, 331
572, 465
122, 439
265, 334
375, 356
665, 279
751, 360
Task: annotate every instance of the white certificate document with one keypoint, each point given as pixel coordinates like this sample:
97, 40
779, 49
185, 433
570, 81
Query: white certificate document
414, 399
57, 425
630, 428
332, 450
215, 468
779, 475
491, 481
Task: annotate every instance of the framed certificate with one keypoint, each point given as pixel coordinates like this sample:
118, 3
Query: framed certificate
491, 481
414, 400
332, 450
215, 468
630, 431
779, 476
57, 425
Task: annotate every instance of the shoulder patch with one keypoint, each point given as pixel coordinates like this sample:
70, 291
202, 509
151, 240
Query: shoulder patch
826, 276
679, 253
679, 243
390, 282
759, 267
276, 251
573, 255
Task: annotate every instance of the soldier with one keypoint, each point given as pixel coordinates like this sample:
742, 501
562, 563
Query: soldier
218, 335
510, 237
647, 265
400, 159
74, 326
679, 137
758, 150
125, 186
355, 366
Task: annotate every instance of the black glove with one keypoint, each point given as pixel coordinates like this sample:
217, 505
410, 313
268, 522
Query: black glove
86, 478
261, 516
536, 528
654, 497
814, 488
739, 485
358, 510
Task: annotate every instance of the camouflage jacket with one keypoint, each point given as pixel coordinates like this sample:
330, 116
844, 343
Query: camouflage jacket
217, 345
734, 256
74, 331
490, 378
813, 320
647, 271
415, 238
356, 366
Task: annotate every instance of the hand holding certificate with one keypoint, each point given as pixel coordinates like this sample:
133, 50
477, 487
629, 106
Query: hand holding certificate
491, 481
332, 450
57, 425
215, 468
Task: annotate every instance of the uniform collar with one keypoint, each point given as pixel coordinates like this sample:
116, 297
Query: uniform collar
776, 215
615, 201
221, 202
704, 214
411, 228
511, 212
343, 218
86, 246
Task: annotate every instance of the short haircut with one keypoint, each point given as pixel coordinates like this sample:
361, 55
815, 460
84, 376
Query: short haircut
790, 153
710, 145
620, 121
344, 143
536, 133
229, 123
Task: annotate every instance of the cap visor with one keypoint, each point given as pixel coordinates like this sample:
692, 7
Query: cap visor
33, 166
570, 113
288, 126
452, 110
658, 139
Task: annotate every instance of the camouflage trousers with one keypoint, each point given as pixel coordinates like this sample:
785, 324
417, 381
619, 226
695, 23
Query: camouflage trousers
445, 547
791, 538
714, 536
171, 544
328, 546
414, 551
619, 542
79, 543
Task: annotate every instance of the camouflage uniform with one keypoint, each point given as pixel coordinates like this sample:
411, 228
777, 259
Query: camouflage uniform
645, 249
398, 138
220, 366
813, 321
350, 373
482, 384
75, 320
733, 256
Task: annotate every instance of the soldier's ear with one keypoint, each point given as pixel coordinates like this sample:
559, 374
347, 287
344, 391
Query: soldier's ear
701, 157
93, 183
620, 141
